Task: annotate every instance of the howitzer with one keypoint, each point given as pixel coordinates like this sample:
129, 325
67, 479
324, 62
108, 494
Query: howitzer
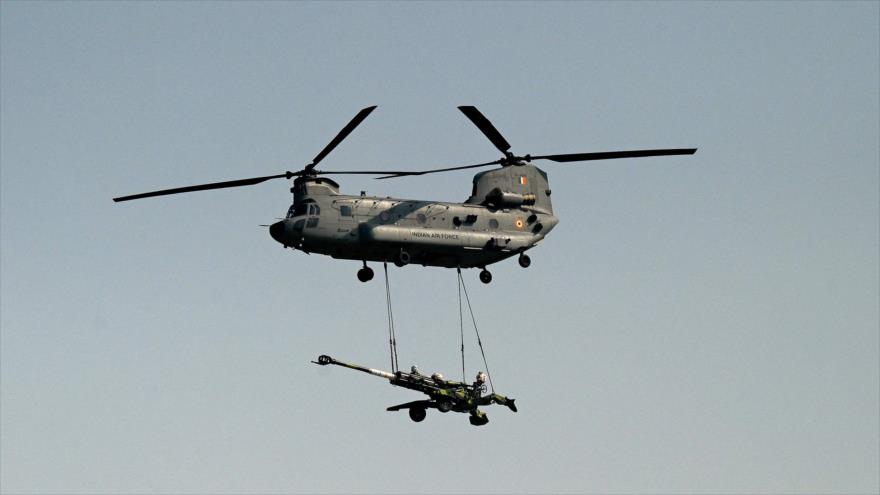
444, 395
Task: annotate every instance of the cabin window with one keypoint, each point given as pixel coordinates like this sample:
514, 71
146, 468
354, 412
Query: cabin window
422, 219
313, 222
493, 224
345, 211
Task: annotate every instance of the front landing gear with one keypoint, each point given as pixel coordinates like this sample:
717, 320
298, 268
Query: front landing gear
365, 274
485, 276
524, 260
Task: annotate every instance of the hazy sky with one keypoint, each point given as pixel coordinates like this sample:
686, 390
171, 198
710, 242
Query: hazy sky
696, 324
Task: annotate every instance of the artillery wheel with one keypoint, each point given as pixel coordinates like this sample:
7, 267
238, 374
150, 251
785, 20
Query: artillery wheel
485, 276
365, 274
417, 414
478, 420
524, 260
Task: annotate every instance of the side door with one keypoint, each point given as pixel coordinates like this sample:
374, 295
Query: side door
346, 224
313, 220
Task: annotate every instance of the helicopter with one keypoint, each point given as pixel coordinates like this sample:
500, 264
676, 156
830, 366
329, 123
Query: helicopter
508, 212
445, 395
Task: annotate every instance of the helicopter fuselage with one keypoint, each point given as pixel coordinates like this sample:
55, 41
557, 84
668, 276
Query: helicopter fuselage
429, 233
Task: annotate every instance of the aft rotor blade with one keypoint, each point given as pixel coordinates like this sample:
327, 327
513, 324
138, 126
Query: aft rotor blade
609, 155
486, 127
339, 137
423, 172
205, 187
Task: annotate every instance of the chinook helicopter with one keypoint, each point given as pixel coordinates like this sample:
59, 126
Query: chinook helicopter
508, 213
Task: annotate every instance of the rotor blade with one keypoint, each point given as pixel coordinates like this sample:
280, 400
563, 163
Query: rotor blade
361, 172
486, 127
423, 172
204, 187
608, 155
339, 137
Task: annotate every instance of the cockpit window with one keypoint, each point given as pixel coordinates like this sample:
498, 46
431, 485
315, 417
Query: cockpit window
345, 211
300, 209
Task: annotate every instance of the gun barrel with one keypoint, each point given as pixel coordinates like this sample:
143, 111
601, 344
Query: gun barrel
324, 360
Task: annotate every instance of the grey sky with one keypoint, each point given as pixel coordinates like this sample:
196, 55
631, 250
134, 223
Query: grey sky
695, 324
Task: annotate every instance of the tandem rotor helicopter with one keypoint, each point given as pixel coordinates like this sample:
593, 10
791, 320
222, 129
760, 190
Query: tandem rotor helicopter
508, 213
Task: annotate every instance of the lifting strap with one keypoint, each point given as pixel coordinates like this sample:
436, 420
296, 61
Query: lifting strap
461, 327
392, 338
476, 330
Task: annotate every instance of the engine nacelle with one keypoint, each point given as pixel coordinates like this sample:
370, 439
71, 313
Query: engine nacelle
502, 199
521, 179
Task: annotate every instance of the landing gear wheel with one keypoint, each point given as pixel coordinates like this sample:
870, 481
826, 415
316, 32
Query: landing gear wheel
485, 276
402, 259
524, 260
417, 414
365, 274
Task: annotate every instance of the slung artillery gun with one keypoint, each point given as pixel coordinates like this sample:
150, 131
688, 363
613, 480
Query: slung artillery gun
445, 395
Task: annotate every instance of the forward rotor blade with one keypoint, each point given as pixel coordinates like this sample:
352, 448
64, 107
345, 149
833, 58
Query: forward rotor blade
339, 137
423, 172
361, 172
608, 155
205, 187
486, 127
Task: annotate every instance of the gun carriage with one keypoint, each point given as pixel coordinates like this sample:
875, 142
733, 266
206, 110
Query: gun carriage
444, 395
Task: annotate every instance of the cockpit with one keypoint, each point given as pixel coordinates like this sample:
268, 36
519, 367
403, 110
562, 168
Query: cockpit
303, 209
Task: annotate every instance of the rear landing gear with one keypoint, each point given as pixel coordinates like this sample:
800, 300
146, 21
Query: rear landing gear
365, 274
524, 260
485, 276
402, 259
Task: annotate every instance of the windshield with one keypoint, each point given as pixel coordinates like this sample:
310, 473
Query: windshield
297, 210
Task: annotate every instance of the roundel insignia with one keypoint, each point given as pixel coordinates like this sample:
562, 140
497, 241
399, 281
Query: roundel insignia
519, 223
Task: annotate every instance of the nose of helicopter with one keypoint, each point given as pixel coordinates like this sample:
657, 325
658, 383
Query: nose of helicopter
276, 230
